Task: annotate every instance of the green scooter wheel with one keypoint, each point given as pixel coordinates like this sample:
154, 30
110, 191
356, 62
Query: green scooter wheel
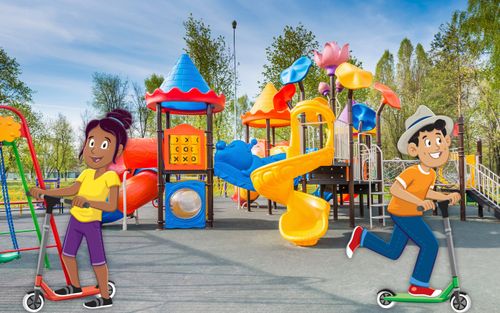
462, 304
385, 304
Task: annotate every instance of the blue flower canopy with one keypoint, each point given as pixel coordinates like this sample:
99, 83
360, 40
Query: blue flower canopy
363, 113
297, 71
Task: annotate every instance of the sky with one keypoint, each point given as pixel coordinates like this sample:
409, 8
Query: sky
60, 44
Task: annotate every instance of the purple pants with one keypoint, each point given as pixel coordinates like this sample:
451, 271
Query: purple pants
92, 232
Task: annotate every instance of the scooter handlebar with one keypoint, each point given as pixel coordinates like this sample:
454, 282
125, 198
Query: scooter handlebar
53, 201
442, 205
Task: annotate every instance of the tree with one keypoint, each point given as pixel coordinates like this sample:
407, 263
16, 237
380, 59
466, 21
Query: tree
109, 92
153, 82
142, 113
11, 87
483, 23
62, 152
213, 59
293, 43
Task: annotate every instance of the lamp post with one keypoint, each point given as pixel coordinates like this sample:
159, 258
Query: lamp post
235, 97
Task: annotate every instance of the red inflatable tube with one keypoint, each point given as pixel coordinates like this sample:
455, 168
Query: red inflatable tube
140, 153
141, 189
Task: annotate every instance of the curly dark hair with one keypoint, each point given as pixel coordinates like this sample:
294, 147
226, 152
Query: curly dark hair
115, 122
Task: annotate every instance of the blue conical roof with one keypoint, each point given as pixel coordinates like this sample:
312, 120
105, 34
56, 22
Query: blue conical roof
185, 76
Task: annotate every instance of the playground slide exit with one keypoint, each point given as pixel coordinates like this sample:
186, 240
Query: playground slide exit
306, 219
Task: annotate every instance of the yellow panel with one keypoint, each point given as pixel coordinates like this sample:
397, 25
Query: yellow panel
174, 158
194, 159
184, 159
195, 139
194, 149
185, 139
175, 140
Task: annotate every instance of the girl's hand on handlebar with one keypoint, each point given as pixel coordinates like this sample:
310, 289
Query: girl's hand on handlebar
36, 192
454, 198
427, 205
79, 201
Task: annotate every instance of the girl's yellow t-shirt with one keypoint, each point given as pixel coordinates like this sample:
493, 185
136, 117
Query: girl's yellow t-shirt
94, 190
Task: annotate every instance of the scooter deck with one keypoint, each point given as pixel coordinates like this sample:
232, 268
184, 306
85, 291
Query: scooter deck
406, 297
49, 294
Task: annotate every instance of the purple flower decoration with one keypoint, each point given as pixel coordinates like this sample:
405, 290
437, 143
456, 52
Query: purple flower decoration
338, 86
323, 88
331, 57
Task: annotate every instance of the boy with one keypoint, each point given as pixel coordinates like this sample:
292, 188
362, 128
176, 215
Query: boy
427, 137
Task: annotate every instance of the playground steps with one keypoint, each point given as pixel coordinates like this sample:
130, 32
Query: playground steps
376, 200
484, 201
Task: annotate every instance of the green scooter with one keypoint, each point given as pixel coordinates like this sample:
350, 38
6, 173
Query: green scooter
459, 301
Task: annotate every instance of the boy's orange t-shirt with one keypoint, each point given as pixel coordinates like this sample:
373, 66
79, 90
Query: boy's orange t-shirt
416, 181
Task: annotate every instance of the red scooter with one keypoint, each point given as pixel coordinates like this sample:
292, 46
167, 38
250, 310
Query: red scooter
34, 300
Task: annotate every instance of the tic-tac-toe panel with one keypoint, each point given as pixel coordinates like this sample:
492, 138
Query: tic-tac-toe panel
184, 148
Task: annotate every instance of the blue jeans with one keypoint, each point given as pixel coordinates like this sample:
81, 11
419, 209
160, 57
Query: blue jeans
407, 227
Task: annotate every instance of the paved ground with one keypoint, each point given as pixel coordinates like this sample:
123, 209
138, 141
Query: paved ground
243, 265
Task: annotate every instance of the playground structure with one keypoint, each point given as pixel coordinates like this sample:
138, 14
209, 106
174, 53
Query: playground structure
345, 160
184, 149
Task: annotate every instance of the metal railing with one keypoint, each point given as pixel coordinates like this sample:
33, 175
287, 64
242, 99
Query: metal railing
486, 183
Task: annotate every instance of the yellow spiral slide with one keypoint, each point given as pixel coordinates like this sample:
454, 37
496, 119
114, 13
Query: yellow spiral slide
306, 219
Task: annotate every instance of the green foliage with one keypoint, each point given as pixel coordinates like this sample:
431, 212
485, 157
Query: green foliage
293, 43
153, 82
11, 88
109, 92
61, 155
212, 57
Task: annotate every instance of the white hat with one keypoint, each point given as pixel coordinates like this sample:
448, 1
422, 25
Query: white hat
422, 117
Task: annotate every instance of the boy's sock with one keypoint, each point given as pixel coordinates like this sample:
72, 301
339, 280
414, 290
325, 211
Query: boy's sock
98, 303
69, 291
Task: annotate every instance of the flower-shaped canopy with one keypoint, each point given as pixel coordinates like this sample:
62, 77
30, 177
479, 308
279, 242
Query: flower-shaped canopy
388, 96
331, 57
184, 91
263, 110
363, 113
9, 129
281, 99
352, 77
297, 71
323, 88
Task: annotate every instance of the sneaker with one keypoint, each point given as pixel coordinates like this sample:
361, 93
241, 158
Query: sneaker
69, 291
354, 242
98, 303
418, 291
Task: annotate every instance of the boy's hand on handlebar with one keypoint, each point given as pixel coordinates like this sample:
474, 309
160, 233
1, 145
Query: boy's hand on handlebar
36, 192
79, 201
427, 205
454, 197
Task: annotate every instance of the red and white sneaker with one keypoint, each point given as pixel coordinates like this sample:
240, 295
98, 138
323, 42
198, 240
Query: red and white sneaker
354, 242
418, 291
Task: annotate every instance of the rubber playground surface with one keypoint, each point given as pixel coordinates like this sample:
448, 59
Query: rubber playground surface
243, 265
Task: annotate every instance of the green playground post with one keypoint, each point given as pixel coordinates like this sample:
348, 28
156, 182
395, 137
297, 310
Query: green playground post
26, 190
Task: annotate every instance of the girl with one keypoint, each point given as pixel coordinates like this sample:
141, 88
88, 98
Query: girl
105, 141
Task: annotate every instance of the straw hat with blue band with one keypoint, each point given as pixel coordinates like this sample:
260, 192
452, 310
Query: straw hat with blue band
422, 117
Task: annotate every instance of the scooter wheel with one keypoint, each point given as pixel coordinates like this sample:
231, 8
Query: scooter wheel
111, 289
385, 304
29, 303
462, 304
